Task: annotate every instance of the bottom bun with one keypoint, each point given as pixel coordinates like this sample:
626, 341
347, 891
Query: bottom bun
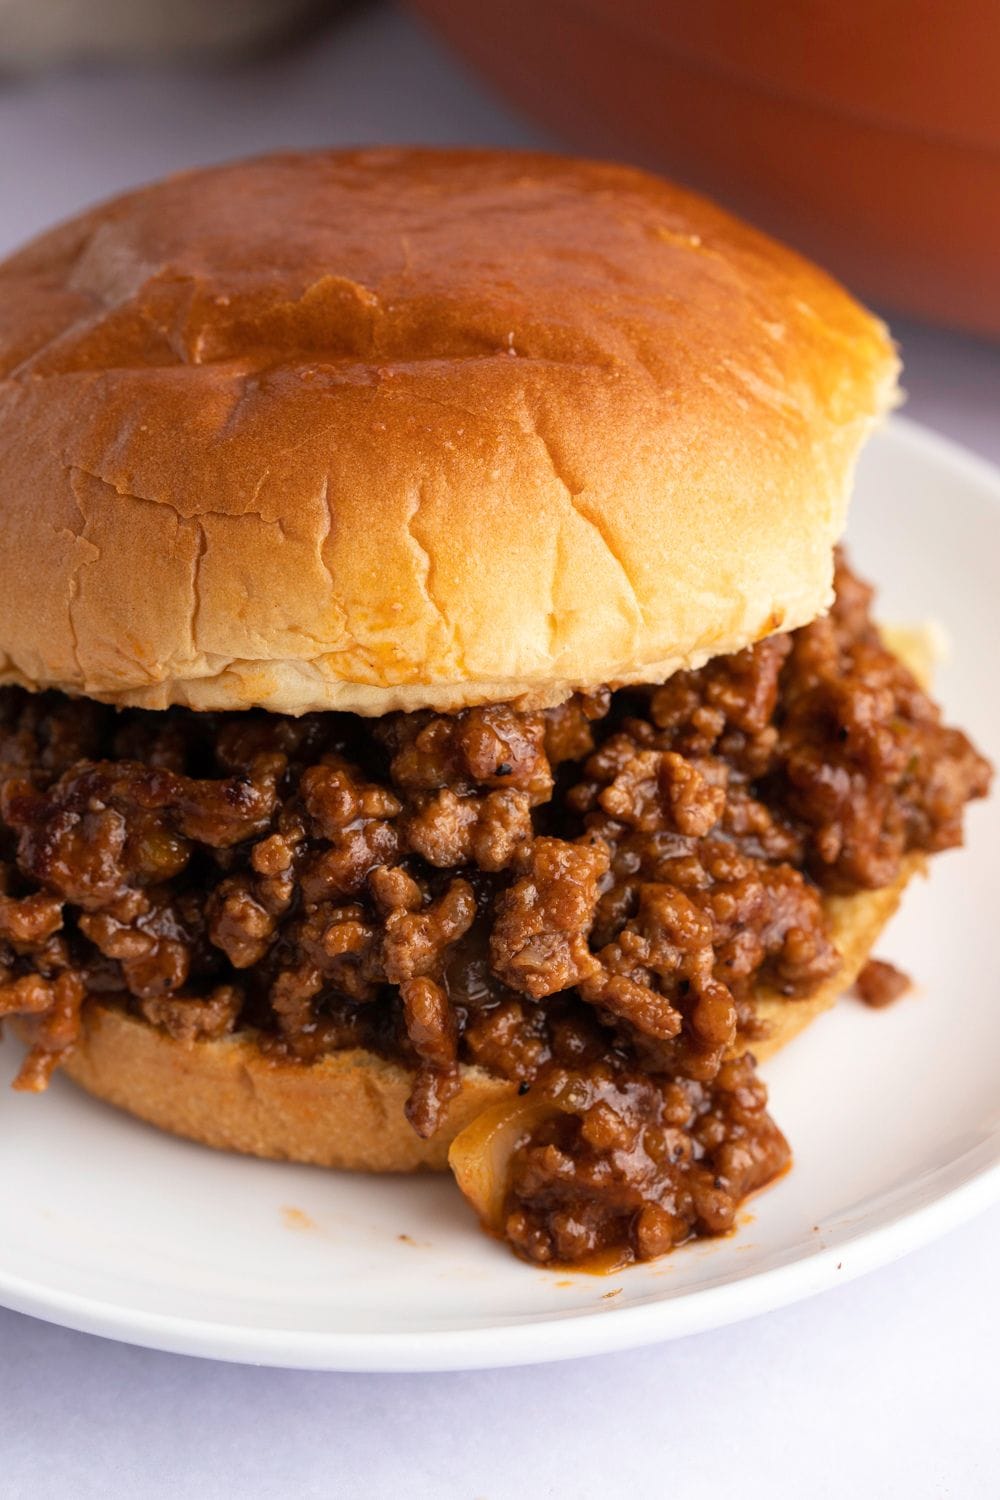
347, 1109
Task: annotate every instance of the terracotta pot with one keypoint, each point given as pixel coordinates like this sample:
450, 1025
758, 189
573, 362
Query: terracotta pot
865, 131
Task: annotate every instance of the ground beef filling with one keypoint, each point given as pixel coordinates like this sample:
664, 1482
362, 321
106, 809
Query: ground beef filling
879, 984
582, 900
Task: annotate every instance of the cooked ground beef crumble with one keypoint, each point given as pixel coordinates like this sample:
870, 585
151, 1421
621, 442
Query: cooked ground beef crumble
582, 899
880, 983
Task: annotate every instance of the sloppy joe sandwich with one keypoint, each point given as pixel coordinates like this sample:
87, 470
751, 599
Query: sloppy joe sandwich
435, 712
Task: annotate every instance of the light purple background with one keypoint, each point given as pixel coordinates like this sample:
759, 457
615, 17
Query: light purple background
888, 1387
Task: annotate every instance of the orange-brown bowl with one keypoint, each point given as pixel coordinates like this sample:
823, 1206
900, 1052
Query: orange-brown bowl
865, 131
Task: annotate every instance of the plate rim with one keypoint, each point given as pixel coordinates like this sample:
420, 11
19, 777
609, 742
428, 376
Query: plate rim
835, 1260
529, 1340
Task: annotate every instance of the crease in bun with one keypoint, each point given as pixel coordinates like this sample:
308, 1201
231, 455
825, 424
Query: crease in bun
394, 429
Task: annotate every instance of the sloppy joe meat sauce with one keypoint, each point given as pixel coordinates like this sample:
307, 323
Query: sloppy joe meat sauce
583, 900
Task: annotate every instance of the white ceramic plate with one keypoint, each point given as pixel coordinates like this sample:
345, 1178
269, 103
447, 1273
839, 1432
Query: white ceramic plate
894, 1116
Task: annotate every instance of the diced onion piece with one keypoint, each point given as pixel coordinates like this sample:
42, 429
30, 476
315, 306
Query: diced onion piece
480, 1155
921, 648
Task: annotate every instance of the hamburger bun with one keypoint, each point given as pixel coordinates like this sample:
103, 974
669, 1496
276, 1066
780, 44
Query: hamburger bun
486, 426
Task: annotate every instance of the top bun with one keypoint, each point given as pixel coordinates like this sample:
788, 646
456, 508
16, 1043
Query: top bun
389, 429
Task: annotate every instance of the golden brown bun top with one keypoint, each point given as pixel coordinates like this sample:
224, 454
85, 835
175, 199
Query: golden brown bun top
392, 428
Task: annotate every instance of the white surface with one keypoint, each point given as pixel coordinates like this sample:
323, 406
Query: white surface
886, 1388
116, 1229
